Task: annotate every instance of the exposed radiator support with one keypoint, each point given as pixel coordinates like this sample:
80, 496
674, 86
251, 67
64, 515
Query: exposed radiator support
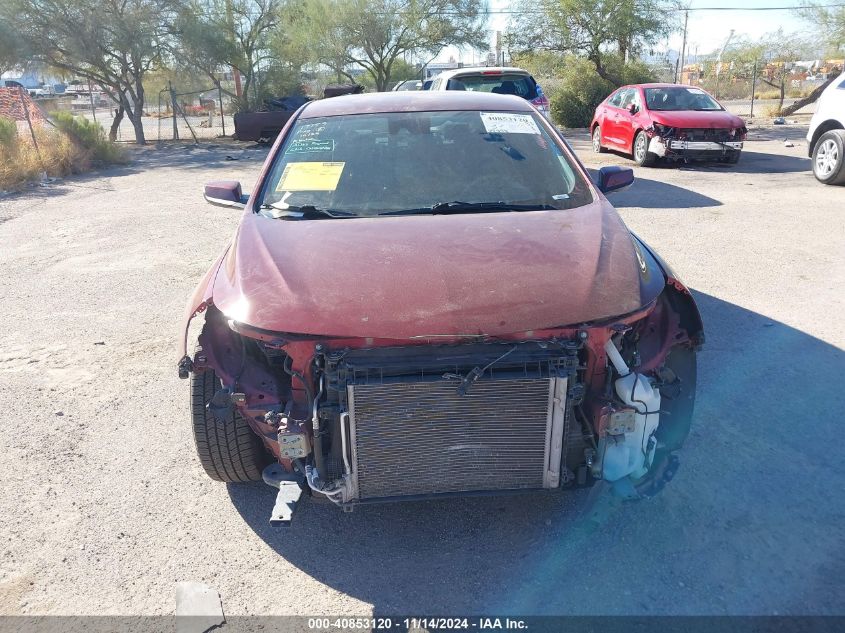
429, 420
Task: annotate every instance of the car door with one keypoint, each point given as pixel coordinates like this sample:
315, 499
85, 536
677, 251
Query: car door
629, 121
613, 118
606, 116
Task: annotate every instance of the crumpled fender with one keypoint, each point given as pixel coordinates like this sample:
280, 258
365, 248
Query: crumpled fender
198, 302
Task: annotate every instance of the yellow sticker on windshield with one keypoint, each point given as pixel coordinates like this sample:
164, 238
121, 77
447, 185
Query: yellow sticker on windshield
310, 176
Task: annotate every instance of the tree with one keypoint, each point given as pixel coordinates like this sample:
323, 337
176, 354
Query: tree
830, 21
597, 30
216, 34
810, 98
377, 35
113, 43
773, 55
575, 88
319, 35
402, 71
10, 48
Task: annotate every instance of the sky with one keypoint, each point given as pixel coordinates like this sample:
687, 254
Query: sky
706, 30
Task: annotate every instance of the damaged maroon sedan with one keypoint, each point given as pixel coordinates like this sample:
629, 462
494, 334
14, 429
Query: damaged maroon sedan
667, 121
427, 295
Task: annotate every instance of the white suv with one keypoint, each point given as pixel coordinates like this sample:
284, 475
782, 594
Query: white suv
499, 80
826, 137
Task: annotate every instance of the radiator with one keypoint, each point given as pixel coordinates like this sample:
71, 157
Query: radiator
421, 437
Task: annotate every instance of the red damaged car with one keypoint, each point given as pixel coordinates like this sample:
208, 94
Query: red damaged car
667, 121
427, 295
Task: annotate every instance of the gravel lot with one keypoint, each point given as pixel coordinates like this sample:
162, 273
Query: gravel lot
104, 506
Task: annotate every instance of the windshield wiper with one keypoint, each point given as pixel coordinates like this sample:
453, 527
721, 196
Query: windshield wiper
444, 208
308, 211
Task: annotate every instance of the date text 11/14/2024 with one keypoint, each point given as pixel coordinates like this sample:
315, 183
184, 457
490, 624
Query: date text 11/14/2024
416, 623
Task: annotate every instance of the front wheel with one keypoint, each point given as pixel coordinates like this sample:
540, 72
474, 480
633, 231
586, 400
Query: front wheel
829, 158
228, 448
597, 146
642, 156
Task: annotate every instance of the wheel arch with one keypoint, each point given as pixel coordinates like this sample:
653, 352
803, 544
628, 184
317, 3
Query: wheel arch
198, 302
679, 297
827, 126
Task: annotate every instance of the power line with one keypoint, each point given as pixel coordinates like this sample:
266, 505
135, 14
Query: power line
488, 12
794, 7
781, 8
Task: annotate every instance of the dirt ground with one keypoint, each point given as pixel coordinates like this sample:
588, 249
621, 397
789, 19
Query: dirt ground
104, 506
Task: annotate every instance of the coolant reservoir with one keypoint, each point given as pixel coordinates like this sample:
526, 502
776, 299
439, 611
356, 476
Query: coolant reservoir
631, 453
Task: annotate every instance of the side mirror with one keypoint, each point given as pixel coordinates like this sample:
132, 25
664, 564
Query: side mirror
633, 109
225, 193
614, 178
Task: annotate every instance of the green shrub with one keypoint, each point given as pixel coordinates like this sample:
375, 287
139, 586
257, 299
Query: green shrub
581, 89
69, 148
22, 162
573, 105
8, 134
91, 136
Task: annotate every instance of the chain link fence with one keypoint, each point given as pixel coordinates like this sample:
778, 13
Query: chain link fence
200, 115
765, 103
754, 93
206, 115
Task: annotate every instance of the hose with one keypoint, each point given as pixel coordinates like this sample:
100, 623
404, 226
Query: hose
615, 358
317, 485
315, 427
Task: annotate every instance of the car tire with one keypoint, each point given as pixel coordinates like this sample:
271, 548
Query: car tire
228, 449
732, 158
829, 158
642, 156
597, 146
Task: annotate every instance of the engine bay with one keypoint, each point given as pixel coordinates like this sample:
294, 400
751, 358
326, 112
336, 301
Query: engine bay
363, 421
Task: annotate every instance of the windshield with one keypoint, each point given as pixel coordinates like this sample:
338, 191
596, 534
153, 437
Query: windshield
680, 98
411, 84
503, 84
366, 165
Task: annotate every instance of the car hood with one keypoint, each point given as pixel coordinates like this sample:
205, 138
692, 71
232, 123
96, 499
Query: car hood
695, 119
400, 277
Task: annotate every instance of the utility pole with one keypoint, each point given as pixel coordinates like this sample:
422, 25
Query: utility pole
91, 97
173, 105
499, 59
719, 62
753, 88
683, 48
235, 72
220, 98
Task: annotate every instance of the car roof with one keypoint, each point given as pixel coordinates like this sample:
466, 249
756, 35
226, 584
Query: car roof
662, 85
413, 101
478, 70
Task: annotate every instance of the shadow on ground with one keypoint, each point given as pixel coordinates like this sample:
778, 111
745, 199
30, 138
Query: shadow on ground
749, 163
741, 530
198, 156
654, 194
795, 133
